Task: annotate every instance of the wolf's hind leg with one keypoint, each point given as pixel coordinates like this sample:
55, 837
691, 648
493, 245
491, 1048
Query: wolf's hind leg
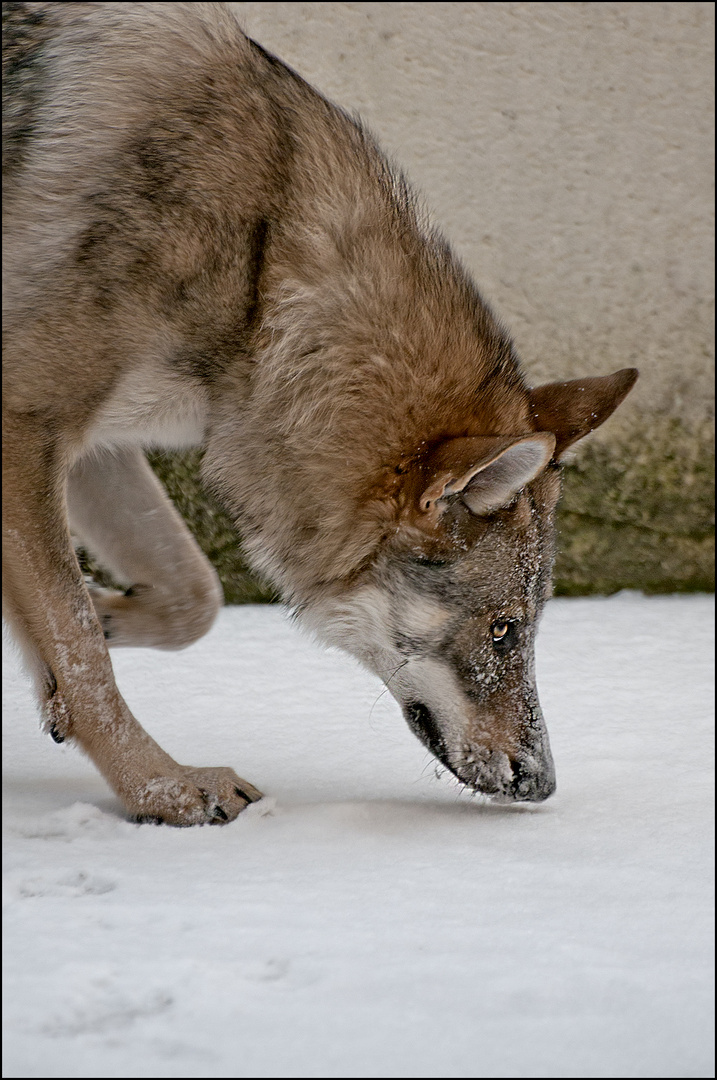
121, 512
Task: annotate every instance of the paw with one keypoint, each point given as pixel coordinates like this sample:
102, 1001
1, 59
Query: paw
160, 618
224, 793
210, 796
111, 608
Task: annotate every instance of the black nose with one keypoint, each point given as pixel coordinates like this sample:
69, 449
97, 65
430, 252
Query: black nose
529, 785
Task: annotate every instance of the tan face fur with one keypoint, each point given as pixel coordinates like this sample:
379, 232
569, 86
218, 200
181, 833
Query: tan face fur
424, 618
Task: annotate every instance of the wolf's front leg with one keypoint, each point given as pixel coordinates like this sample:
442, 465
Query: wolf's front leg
49, 608
121, 512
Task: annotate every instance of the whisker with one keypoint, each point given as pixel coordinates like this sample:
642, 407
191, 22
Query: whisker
387, 683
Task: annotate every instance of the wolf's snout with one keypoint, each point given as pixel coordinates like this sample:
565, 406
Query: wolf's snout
528, 776
524, 778
531, 784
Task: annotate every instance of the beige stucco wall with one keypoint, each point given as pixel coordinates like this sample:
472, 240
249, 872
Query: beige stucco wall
565, 149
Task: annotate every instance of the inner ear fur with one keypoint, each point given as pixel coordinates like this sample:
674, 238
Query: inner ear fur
573, 409
486, 471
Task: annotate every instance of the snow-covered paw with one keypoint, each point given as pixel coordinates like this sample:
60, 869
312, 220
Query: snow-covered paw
209, 796
225, 794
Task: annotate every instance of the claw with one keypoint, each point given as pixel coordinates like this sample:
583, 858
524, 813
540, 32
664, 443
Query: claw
58, 718
55, 735
250, 797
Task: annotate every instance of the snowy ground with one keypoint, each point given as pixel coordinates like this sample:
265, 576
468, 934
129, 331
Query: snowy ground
365, 919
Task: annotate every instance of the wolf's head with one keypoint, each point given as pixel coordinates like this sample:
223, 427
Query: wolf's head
446, 612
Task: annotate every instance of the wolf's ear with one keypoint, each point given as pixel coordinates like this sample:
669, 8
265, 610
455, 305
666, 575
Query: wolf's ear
487, 471
572, 409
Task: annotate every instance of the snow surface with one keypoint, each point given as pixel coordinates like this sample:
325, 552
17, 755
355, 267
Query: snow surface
366, 919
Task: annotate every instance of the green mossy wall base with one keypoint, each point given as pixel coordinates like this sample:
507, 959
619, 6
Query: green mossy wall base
637, 513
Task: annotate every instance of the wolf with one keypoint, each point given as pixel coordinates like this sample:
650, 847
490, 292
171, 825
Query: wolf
201, 250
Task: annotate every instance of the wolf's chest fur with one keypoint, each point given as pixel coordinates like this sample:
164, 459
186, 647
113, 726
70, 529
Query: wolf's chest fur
151, 405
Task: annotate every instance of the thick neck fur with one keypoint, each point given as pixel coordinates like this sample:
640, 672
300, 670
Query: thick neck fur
373, 345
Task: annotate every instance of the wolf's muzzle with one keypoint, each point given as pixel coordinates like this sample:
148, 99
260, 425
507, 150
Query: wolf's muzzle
530, 784
528, 777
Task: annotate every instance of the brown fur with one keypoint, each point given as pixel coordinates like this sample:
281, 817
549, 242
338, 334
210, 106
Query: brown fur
200, 249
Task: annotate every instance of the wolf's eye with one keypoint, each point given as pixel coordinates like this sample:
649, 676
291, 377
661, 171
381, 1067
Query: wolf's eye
503, 635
